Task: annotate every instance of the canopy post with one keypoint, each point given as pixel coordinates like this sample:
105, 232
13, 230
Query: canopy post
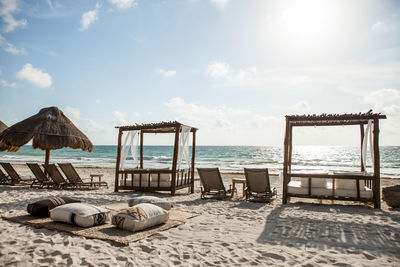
141, 149
175, 158
285, 161
362, 139
377, 183
193, 160
290, 148
118, 160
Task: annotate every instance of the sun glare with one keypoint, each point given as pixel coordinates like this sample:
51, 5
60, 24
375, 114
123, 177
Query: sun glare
306, 20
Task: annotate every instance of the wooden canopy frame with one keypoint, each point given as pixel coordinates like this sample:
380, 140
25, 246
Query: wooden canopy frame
186, 180
360, 119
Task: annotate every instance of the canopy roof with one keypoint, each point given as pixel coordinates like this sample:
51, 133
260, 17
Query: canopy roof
333, 119
162, 127
50, 129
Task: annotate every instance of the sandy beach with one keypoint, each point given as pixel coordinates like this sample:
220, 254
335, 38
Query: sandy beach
231, 232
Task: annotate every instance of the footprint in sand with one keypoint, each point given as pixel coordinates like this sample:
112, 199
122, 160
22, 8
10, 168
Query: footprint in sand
146, 249
274, 256
369, 256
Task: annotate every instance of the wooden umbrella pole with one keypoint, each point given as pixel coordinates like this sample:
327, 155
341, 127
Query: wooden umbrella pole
47, 160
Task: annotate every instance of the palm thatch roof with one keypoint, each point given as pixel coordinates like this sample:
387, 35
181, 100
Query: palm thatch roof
49, 129
3, 146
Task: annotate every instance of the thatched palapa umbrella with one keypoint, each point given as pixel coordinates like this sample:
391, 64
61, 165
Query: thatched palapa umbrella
49, 129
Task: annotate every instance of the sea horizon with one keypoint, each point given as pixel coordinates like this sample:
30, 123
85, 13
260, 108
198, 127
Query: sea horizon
310, 158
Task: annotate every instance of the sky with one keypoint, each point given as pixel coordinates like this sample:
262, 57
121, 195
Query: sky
231, 68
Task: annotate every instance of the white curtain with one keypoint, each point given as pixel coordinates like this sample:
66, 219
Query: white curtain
368, 132
183, 149
131, 141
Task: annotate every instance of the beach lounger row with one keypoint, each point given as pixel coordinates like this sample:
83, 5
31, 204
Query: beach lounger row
258, 186
53, 179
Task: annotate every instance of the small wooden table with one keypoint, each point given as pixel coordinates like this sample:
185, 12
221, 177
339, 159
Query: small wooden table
238, 181
92, 176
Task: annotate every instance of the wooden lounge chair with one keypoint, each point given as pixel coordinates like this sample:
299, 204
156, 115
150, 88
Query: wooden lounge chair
258, 185
41, 179
212, 184
3, 177
13, 176
73, 176
56, 176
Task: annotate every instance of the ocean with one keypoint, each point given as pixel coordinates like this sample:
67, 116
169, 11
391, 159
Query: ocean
227, 158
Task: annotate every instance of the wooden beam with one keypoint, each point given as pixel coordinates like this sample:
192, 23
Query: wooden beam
193, 161
377, 184
118, 161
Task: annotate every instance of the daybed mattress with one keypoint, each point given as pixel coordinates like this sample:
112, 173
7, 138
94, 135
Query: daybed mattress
294, 187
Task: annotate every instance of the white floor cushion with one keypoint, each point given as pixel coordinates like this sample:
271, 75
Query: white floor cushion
81, 214
161, 202
140, 217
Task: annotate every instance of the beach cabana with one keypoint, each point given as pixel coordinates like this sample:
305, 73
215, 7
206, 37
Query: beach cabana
354, 186
137, 178
49, 129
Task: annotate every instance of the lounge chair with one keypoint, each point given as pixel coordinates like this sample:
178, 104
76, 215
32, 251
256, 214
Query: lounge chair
56, 176
3, 177
258, 185
73, 176
41, 179
13, 176
212, 184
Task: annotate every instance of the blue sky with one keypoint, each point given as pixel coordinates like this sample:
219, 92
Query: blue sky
232, 68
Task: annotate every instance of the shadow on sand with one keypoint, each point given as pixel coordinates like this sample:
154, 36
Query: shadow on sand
337, 227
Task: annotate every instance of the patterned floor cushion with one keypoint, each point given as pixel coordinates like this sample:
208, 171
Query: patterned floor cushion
161, 202
140, 217
81, 214
42, 208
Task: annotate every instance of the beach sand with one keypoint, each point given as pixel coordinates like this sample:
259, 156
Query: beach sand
229, 232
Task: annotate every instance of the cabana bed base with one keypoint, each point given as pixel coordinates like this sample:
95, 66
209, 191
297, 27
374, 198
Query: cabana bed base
371, 182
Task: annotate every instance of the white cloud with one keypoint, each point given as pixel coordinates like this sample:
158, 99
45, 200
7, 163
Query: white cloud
72, 113
10, 48
220, 3
382, 96
379, 26
89, 17
35, 76
167, 73
120, 117
301, 107
346, 78
123, 4
218, 70
7, 8
7, 84
226, 125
